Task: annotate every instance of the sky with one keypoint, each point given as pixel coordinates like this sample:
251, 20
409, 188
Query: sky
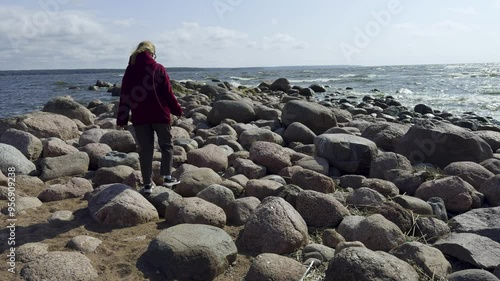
78, 34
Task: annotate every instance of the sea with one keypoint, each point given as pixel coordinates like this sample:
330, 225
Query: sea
455, 88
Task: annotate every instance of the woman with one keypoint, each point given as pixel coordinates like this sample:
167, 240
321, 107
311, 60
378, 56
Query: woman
147, 92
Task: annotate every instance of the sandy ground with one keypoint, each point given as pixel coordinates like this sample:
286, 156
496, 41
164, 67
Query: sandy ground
119, 257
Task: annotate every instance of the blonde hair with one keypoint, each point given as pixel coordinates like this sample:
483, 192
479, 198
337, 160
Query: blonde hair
144, 46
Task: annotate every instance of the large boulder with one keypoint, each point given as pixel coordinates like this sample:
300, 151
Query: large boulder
348, 153
386, 135
161, 198
311, 180
210, 156
68, 107
95, 152
362, 264
471, 172
119, 205
195, 180
250, 136
491, 137
484, 222
491, 190
54, 147
274, 267
76, 187
472, 275
12, 158
386, 161
316, 117
91, 136
270, 155
274, 227
239, 111
29, 145
429, 259
441, 143
122, 141
320, 210
298, 132
455, 192
195, 210
60, 266
108, 175
42, 125
192, 252
73, 164
280, 84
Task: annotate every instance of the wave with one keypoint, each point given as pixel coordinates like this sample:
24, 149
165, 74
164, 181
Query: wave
243, 78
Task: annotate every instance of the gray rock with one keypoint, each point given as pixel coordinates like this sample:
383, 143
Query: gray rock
386, 188
249, 169
121, 141
110, 175
192, 252
61, 217
361, 264
23, 204
316, 117
416, 205
438, 208
84, 243
386, 161
242, 209
407, 181
119, 205
352, 181
274, 267
270, 155
375, 232
440, 143
95, 152
274, 227
455, 192
60, 266
310, 180
472, 275
492, 165
471, 172
54, 147
491, 137
385, 135
186, 144
491, 190
320, 210
32, 186
316, 164
239, 111
280, 84
298, 132
365, 196
431, 229
349, 154
68, 107
194, 181
222, 129
484, 222
477, 250
161, 198
249, 137
392, 211
29, 145
31, 251
115, 158
73, 164
218, 195
195, 211
332, 238
430, 260
262, 188
11, 157
209, 156
236, 188
76, 187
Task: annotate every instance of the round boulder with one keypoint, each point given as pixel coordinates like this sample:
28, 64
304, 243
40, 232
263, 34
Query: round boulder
26, 143
316, 117
239, 111
11, 157
455, 192
68, 107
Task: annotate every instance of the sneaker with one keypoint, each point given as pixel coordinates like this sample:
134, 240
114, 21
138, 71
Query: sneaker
148, 189
170, 181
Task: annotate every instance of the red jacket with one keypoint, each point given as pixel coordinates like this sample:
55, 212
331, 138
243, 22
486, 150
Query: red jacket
149, 103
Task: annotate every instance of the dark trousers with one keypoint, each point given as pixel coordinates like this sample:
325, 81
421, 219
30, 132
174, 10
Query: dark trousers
145, 140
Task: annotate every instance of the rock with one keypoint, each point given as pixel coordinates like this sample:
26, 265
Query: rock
430, 260
91, 136
23, 204
316, 117
431, 229
477, 250
42, 125
320, 210
194, 181
492, 165
32, 186
332, 238
68, 107
386, 188
352, 181
491, 190
241, 210
298, 132
423, 109
239, 111
31, 251
115, 158
316, 164
75, 188
103, 84
416, 205
209, 156
192, 252
440, 143
195, 211
119, 205
73, 164
438, 208
249, 137
218, 195
61, 217
249, 168
472, 275
349, 154
491, 137
270, 155
179, 133
60, 266
262, 188
361, 264
84, 243
310, 180
484, 222
110, 175
280, 84
121, 141
385, 135
274, 267
406, 181
274, 227
95, 152
29, 145
54, 147
470, 172
306, 92
375, 232
222, 129
396, 214
365, 196
161, 198
455, 192
11, 157
386, 161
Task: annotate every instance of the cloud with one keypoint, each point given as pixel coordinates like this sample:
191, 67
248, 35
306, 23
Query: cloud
282, 41
438, 29
469, 11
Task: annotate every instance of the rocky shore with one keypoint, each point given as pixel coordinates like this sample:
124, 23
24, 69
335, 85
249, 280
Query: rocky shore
274, 186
